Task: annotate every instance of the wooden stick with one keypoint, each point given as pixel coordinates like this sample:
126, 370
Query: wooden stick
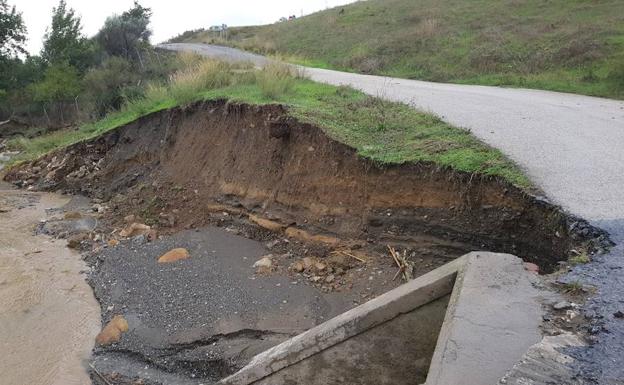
393, 254
354, 257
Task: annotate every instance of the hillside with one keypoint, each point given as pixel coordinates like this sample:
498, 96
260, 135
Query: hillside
565, 45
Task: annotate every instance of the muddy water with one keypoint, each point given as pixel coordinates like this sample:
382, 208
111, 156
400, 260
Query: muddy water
48, 314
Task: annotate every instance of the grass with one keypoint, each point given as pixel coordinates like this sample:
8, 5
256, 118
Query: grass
563, 45
579, 259
387, 132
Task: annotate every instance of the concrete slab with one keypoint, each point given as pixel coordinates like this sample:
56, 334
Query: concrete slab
491, 320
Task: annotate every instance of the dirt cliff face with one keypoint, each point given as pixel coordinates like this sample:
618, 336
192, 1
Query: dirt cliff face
258, 160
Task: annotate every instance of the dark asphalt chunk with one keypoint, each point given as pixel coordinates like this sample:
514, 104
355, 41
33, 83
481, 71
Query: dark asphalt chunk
203, 317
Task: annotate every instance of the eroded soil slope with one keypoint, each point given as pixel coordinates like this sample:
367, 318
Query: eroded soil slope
225, 157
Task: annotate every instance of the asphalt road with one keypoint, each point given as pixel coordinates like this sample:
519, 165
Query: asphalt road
572, 148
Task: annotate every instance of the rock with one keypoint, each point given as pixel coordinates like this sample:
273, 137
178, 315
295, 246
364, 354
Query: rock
264, 264
340, 260
76, 240
72, 215
139, 240
112, 331
297, 267
320, 266
266, 224
113, 242
563, 305
129, 218
97, 208
308, 262
330, 278
166, 220
531, 267
135, 229
618, 314
174, 255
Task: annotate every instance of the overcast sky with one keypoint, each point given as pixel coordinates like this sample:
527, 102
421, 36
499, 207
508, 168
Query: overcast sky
170, 17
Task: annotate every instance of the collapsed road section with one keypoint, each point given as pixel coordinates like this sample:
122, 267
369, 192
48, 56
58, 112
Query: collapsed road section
225, 229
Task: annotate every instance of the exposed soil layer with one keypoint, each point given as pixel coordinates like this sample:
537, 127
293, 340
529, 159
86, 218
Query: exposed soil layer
258, 160
260, 174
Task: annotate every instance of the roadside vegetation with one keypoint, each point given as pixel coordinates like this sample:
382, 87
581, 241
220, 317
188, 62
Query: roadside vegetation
386, 132
76, 79
564, 45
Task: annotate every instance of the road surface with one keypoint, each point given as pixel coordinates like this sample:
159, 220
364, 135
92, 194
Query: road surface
571, 146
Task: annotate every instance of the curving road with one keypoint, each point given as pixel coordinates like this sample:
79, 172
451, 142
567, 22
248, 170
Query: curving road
571, 146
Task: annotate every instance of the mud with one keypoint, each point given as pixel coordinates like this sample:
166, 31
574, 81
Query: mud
271, 185
48, 315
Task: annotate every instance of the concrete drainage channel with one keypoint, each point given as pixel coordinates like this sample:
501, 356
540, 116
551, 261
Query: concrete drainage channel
237, 184
466, 322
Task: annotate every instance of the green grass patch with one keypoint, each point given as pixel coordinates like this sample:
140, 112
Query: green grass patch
386, 132
579, 259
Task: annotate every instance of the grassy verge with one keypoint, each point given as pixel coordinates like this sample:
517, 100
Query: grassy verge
386, 132
564, 45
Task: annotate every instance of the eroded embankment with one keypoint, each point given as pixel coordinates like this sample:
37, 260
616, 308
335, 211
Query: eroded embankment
258, 160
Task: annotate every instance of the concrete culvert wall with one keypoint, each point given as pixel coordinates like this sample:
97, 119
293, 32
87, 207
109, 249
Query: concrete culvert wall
259, 160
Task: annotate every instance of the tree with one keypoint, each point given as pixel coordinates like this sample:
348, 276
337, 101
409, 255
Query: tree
124, 35
64, 41
60, 83
12, 31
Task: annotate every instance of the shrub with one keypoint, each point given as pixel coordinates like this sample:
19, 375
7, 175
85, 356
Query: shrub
104, 86
276, 80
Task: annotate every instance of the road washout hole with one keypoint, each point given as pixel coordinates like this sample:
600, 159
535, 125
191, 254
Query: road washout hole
260, 174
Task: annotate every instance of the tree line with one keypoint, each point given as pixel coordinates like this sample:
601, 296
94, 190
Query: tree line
76, 77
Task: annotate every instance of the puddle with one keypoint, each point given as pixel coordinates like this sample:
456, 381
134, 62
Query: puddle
48, 314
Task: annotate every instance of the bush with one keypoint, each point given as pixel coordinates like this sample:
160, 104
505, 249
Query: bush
275, 80
105, 85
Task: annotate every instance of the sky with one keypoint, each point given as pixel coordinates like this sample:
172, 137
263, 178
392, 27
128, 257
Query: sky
169, 18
